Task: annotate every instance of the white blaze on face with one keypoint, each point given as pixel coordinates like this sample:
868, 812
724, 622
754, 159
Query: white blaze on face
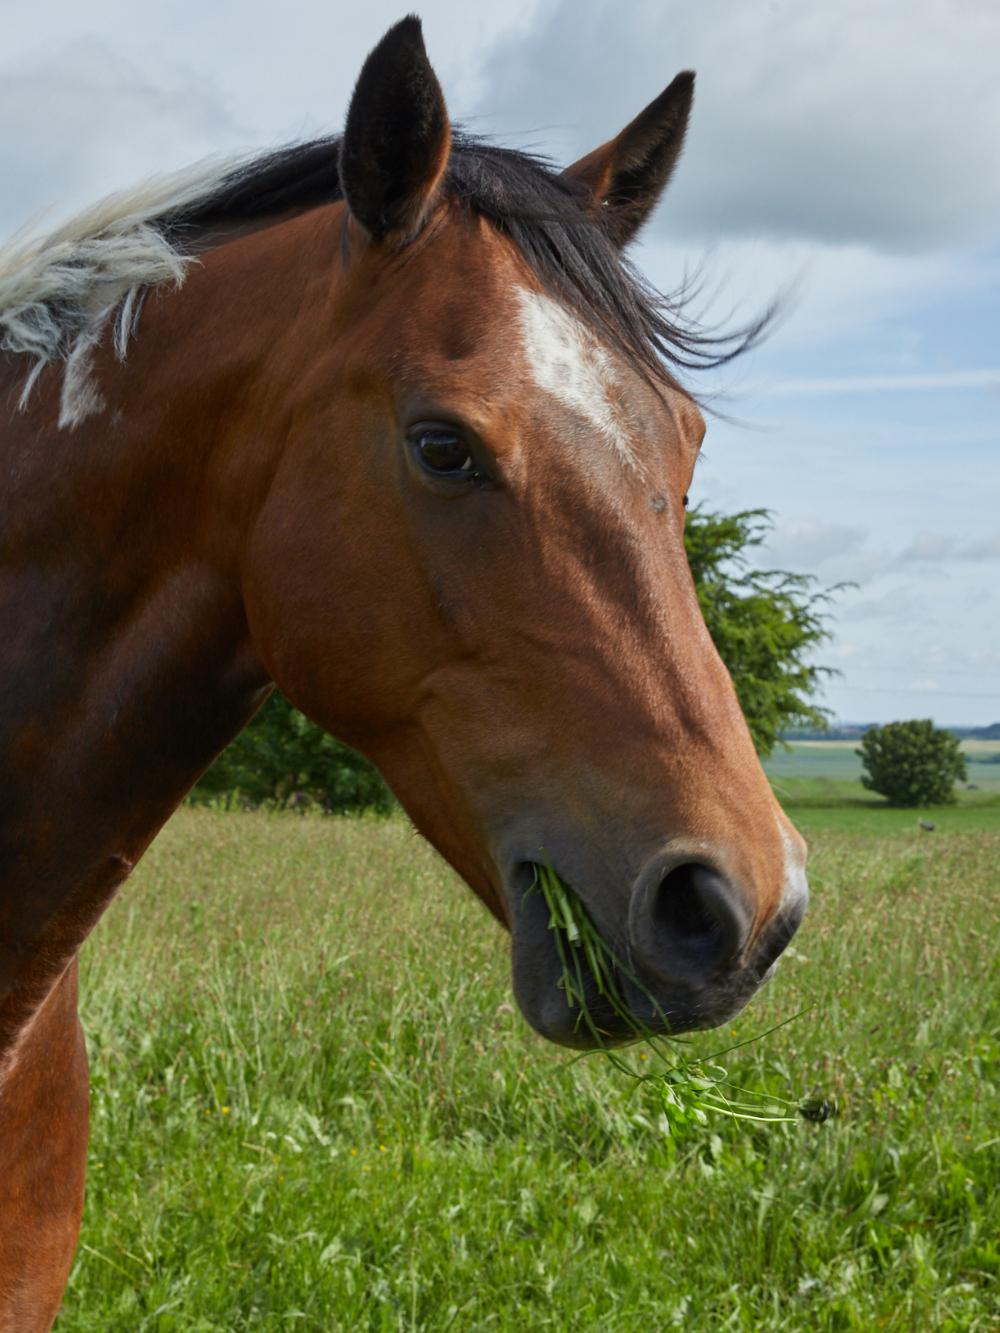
568, 362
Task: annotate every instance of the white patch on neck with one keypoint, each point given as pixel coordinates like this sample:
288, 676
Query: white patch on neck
568, 362
81, 397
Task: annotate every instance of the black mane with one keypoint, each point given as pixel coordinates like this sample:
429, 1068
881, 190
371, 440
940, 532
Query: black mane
547, 217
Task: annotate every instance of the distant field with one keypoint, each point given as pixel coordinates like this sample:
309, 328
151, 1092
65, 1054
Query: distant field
316, 1107
837, 761
834, 760
819, 783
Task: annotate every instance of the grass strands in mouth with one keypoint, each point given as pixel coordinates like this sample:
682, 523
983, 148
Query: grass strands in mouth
689, 1089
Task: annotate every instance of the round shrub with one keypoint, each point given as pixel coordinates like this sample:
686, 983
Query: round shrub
912, 763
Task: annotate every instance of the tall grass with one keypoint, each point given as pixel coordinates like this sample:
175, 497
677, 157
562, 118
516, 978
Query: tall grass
316, 1107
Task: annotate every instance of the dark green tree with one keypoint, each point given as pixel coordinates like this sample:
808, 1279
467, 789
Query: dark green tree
912, 763
282, 758
766, 624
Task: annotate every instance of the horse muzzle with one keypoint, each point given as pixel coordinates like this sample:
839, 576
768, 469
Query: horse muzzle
686, 959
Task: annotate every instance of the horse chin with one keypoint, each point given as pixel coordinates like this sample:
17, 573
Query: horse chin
541, 997
542, 1000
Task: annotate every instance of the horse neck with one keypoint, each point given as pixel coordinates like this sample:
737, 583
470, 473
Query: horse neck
128, 661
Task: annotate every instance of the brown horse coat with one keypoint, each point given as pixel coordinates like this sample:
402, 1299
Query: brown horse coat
403, 441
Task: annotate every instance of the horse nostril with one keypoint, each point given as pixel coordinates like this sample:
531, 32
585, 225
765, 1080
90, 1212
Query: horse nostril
697, 922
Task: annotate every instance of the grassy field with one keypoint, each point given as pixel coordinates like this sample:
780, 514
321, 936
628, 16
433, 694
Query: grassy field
820, 783
315, 1107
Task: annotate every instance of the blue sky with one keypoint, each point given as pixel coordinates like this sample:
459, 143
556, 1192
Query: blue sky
849, 153
878, 448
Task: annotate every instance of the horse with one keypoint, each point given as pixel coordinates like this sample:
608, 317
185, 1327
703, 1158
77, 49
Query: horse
388, 421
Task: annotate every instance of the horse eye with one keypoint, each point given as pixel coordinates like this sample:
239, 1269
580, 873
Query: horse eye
685, 502
442, 451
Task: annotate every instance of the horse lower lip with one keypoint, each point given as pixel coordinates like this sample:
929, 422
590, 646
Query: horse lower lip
666, 993
537, 974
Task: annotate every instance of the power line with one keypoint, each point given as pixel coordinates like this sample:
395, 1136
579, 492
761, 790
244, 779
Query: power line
909, 666
933, 694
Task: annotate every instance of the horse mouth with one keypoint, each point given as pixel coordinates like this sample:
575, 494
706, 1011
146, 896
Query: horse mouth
564, 1001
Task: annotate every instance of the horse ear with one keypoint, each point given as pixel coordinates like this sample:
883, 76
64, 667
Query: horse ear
396, 142
627, 175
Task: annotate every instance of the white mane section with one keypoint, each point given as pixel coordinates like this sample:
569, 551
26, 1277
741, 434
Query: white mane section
568, 362
57, 291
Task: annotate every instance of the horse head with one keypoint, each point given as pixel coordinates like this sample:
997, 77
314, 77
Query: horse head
470, 561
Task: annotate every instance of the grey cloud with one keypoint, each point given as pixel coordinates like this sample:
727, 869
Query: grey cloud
86, 120
96, 96
935, 548
836, 553
814, 544
986, 549
897, 606
843, 553
847, 122
930, 547
852, 123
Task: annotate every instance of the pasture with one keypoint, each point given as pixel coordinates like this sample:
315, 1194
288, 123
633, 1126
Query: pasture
819, 782
314, 1105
